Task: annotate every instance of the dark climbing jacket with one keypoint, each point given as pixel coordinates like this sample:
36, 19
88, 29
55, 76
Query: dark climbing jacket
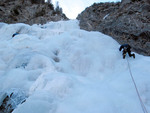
126, 47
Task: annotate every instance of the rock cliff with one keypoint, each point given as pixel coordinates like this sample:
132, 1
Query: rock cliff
127, 21
29, 12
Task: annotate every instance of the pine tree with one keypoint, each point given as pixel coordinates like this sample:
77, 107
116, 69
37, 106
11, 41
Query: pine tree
58, 9
49, 1
38, 1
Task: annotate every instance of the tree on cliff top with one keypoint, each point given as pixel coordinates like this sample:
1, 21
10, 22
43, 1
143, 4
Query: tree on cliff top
58, 9
38, 1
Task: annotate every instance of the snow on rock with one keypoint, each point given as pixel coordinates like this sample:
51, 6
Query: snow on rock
10, 99
63, 69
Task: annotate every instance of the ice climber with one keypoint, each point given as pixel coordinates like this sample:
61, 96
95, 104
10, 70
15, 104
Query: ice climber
126, 48
15, 34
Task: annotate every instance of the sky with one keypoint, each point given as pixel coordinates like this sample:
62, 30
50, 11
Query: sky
73, 7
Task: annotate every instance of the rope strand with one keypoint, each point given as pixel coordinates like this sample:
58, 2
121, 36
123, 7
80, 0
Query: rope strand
141, 102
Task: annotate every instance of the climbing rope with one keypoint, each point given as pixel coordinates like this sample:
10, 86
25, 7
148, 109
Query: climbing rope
142, 104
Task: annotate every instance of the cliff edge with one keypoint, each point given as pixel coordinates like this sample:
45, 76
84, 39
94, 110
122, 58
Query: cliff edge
127, 21
29, 12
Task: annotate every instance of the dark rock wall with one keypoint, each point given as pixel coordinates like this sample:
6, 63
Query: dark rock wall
126, 22
28, 11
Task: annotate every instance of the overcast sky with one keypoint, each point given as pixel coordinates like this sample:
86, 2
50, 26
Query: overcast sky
73, 7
